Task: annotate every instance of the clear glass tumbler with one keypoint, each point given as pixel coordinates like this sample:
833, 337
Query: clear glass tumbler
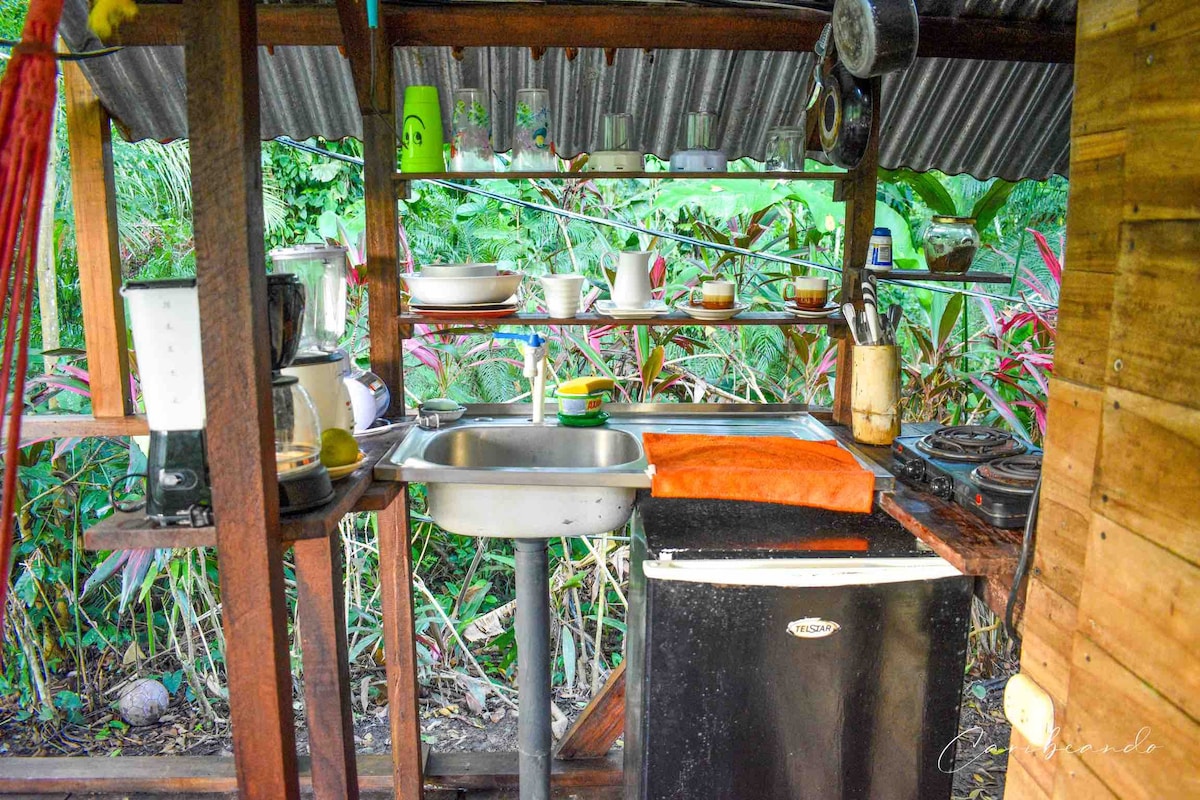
532, 149
616, 132
785, 149
701, 130
470, 132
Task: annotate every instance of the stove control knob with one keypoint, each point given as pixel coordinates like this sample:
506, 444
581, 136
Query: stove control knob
942, 487
914, 470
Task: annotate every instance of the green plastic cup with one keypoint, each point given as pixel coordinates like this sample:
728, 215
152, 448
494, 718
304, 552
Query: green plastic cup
421, 131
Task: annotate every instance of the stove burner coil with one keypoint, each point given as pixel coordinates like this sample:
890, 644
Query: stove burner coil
1013, 475
970, 443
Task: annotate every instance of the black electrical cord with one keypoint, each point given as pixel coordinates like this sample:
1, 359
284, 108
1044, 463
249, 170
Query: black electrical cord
1022, 562
677, 237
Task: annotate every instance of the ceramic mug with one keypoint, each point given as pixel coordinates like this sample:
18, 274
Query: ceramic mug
562, 294
808, 293
719, 294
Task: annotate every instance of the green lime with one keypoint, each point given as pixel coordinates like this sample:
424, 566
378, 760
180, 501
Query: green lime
338, 448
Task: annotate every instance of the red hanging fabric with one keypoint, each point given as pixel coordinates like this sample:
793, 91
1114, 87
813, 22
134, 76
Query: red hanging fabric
28, 93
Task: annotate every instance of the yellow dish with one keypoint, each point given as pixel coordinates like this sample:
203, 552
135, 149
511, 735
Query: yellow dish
337, 473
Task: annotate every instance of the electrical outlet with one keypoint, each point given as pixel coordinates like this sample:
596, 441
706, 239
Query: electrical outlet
1030, 709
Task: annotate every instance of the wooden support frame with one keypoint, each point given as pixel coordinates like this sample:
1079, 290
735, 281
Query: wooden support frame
860, 220
89, 134
616, 26
598, 727
222, 89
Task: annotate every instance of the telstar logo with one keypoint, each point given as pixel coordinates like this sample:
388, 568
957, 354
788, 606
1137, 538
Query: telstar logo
812, 628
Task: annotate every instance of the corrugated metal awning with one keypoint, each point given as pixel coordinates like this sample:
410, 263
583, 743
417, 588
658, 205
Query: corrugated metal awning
986, 118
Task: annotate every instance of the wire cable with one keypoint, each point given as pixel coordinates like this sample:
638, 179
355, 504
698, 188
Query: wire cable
1022, 562
676, 237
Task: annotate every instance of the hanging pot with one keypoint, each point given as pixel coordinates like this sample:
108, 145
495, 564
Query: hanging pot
875, 36
844, 108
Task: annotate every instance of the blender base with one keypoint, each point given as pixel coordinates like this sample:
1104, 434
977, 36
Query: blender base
306, 491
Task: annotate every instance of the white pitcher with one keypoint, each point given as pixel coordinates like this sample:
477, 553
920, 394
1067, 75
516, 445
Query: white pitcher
631, 287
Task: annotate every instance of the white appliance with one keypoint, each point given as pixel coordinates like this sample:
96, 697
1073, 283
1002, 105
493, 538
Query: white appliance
322, 376
165, 319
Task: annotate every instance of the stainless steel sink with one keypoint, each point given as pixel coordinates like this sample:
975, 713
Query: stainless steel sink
518, 469
497, 474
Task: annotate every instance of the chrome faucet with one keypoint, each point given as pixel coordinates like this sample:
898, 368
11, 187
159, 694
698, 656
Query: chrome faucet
534, 347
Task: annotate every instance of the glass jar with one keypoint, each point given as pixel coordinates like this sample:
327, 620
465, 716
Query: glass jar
950, 244
785, 149
322, 271
297, 429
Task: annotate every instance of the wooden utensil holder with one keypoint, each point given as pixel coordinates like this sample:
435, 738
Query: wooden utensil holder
875, 394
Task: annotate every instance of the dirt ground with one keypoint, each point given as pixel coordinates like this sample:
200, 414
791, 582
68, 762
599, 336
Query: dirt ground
449, 725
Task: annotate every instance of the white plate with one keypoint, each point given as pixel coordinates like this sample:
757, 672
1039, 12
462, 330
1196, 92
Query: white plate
509, 303
806, 314
711, 314
656, 308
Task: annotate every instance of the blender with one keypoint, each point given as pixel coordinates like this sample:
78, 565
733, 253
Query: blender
320, 366
303, 481
617, 153
164, 316
700, 153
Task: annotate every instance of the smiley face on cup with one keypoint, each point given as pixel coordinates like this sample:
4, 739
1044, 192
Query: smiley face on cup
807, 292
718, 294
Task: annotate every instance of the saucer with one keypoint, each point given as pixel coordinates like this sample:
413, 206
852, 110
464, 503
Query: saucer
818, 313
337, 473
655, 308
711, 314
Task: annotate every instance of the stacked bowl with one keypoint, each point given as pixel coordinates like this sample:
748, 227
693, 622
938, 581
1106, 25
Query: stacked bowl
463, 290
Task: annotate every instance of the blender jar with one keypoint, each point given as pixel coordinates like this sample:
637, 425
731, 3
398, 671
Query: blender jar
322, 270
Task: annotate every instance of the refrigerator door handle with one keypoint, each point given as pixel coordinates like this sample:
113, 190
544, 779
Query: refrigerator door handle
801, 572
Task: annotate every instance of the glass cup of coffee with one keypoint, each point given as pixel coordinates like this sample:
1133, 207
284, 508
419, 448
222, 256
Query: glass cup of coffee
715, 294
807, 293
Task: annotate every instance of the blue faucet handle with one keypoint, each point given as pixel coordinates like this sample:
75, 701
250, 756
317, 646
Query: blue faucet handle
531, 339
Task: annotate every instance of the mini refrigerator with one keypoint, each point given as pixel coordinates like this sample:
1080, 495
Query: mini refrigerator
776, 673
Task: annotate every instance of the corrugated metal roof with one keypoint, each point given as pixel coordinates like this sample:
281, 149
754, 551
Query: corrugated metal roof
982, 117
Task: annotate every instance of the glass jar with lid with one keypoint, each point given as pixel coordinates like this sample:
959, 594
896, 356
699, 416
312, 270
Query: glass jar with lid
322, 271
950, 244
297, 429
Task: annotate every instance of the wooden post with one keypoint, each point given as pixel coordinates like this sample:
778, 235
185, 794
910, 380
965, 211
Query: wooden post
223, 127
47, 270
383, 234
322, 613
395, 580
860, 220
89, 135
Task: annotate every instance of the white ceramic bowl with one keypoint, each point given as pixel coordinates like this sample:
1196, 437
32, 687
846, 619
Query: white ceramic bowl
435, 290
460, 270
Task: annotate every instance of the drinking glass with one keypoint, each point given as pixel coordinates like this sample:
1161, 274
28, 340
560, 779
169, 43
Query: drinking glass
616, 131
532, 150
470, 132
785, 149
701, 130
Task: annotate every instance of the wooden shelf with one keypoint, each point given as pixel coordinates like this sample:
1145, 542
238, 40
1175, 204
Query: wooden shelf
674, 319
939, 277
403, 177
356, 492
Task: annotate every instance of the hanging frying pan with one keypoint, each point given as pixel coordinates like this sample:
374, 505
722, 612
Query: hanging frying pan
844, 113
875, 36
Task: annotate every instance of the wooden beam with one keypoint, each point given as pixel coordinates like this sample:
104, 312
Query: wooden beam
598, 727
89, 135
860, 220
172, 775
39, 427
223, 125
608, 26
357, 44
321, 609
399, 646
383, 235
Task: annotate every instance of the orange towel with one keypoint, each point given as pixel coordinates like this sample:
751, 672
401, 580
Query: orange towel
765, 469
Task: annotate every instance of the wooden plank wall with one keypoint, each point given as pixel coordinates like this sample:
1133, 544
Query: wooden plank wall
1112, 629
